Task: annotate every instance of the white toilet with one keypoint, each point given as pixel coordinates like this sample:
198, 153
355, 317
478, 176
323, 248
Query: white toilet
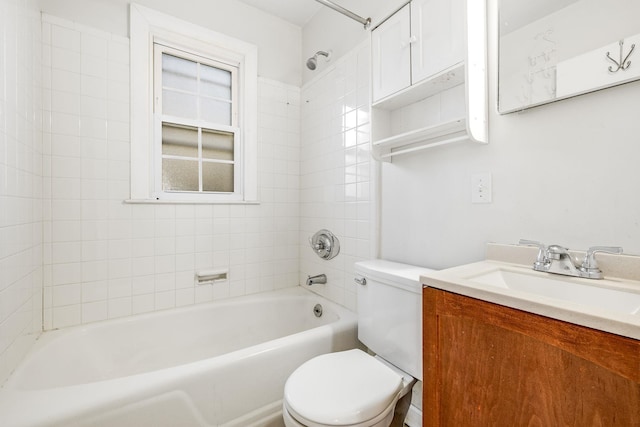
352, 388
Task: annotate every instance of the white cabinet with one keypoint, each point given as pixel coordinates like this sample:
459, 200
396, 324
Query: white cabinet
429, 76
437, 29
391, 53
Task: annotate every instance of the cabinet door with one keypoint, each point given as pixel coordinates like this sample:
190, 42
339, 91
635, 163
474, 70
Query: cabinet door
437, 28
391, 55
490, 365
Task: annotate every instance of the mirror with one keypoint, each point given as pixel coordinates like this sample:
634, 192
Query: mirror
555, 49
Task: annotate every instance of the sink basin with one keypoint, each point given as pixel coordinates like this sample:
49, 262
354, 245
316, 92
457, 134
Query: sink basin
599, 295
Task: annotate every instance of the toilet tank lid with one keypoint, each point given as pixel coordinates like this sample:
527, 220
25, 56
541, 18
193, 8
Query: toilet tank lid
392, 273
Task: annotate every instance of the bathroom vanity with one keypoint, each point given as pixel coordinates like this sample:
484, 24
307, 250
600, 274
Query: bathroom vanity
509, 357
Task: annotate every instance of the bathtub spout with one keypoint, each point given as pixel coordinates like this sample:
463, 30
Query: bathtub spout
320, 278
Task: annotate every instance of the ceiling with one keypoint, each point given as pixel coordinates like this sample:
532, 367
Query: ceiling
297, 12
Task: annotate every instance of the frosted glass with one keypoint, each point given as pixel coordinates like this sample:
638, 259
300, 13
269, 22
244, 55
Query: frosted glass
215, 82
179, 140
180, 175
179, 104
217, 145
215, 111
217, 177
178, 73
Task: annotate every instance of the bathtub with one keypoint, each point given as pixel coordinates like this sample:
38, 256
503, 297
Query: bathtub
218, 364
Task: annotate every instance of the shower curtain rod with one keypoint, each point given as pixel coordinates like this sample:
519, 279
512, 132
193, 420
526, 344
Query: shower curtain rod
364, 21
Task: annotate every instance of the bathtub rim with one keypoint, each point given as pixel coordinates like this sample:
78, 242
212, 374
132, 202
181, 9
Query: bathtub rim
98, 396
46, 337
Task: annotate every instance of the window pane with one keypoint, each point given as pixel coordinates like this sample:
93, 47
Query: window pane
215, 82
179, 104
179, 175
217, 145
215, 111
179, 73
179, 140
217, 177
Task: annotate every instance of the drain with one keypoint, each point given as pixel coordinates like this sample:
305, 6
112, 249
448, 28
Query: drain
317, 310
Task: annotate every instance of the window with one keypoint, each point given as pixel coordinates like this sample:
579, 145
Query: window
196, 121
193, 112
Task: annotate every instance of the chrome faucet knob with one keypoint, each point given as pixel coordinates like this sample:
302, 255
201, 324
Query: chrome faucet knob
542, 259
589, 267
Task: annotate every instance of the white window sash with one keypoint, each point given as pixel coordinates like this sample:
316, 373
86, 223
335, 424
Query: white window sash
160, 194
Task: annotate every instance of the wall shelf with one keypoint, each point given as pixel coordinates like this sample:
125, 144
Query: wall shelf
444, 80
426, 137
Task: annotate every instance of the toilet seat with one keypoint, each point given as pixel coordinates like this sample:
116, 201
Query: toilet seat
295, 420
349, 388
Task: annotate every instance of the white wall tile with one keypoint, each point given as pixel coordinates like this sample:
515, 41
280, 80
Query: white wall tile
65, 81
66, 295
143, 303
94, 311
119, 307
331, 188
139, 258
21, 186
65, 59
65, 37
66, 316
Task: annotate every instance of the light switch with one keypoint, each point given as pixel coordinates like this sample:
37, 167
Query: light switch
481, 188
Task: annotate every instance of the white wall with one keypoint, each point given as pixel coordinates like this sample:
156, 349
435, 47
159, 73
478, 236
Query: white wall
279, 42
105, 259
335, 172
564, 173
20, 181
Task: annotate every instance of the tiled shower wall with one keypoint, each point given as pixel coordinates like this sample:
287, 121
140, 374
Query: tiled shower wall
104, 258
20, 181
336, 172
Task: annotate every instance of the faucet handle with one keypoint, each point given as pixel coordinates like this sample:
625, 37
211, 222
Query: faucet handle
557, 251
589, 265
541, 259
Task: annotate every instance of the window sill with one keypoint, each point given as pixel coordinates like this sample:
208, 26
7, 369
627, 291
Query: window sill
189, 202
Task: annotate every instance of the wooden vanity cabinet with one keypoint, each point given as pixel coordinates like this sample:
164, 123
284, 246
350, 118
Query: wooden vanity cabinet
490, 365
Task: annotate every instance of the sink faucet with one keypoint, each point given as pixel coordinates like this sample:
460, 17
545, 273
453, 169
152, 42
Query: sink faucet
320, 278
556, 259
561, 261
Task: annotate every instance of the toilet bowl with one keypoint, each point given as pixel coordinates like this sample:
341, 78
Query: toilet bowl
352, 388
349, 388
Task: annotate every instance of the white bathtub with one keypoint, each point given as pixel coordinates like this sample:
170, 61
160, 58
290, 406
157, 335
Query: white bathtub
223, 363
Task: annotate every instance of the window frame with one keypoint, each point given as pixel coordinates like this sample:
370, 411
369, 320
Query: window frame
149, 28
161, 47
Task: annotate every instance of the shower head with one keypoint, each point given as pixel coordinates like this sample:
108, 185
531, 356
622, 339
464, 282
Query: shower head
312, 62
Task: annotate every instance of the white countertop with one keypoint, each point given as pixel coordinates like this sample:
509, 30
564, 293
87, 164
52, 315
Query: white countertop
459, 280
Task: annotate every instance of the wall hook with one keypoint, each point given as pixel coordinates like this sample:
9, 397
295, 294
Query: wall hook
623, 64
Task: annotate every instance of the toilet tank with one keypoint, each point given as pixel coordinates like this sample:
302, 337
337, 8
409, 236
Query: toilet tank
390, 312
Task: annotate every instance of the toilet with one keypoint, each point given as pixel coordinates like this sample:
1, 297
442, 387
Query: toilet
353, 388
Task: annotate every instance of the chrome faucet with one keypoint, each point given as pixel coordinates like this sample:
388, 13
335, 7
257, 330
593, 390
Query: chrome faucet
561, 261
320, 278
556, 259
